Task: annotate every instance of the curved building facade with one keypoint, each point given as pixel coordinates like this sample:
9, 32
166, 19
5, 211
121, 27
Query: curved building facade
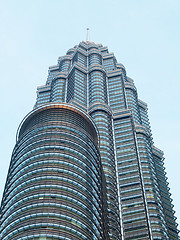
85, 165
54, 186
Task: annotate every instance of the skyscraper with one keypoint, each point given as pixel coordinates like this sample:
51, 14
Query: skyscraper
85, 165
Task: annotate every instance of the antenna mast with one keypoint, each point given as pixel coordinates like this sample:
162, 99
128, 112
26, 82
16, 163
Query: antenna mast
87, 39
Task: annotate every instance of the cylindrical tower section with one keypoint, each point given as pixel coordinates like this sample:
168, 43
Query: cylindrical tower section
54, 184
94, 58
103, 117
97, 85
132, 101
64, 65
58, 89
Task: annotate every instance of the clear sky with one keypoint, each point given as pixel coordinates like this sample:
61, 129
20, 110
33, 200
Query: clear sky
144, 36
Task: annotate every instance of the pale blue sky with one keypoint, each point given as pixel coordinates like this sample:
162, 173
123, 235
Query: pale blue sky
144, 36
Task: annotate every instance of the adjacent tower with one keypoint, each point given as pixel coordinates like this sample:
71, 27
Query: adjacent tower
84, 165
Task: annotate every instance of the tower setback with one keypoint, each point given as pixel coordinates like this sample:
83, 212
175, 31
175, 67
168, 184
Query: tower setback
84, 165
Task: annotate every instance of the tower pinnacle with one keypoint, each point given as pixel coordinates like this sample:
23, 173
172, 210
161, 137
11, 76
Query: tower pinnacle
87, 39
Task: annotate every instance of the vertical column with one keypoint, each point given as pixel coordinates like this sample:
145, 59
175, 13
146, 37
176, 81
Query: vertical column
132, 101
166, 200
103, 122
58, 88
116, 92
43, 95
64, 65
94, 58
77, 87
134, 214
97, 86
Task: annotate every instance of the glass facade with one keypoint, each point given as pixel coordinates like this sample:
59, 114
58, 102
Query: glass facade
85, 165
54, 188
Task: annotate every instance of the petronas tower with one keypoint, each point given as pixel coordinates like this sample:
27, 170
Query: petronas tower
84, 165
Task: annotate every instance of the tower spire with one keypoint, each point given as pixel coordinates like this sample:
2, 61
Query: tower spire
87, 38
